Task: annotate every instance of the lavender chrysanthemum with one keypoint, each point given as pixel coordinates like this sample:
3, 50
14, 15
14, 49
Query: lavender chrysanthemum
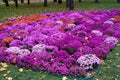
14, 50
38, 48
111, 40
97, 33
88, 61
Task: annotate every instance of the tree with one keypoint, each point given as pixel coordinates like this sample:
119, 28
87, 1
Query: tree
22, 1
45, 3
16, 3
28, 1
79, 0
96, 1
71, 4
59, 1
6, 2
67, 3
118, 1
54, 0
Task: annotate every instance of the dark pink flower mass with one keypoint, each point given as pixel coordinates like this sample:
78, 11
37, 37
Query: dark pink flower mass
62, 43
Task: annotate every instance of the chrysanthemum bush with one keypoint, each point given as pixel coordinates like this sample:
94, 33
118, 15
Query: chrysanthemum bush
63, 43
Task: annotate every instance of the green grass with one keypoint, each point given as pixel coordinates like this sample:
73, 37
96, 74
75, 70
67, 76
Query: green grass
109, 71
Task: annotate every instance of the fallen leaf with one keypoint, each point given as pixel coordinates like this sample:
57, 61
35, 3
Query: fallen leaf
110, 60
9, 78
5, 74
118, 66
20, 70
8, 71
117, 54
104, 76
4, 65
96, 79
107, 67
102, 61
30, 70
64, 78
42, 77
3, 69
88, 74
118, 44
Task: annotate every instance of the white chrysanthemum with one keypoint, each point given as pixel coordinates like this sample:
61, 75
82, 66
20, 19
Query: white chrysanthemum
13, 50
71, 25
38, 48
23, 52
96, 32
112, 19
59, 22
111, 40
87, 61
109, 22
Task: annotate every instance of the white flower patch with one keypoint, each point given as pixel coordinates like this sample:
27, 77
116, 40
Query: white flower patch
111, 40
87, 61
111, 19
38, 48
23, 52
14, 50
71, 25
109, 22
97, 33
59, 22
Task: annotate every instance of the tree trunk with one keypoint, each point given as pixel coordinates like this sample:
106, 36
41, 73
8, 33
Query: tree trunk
45, 3
22, 1
79, 0
67, 3
54, 0
6, 2
59, 1
16, 3
71, 4
28, 1
96, 1
118, 1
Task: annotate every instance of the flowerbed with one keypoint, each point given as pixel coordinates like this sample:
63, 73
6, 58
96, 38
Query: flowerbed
72, 43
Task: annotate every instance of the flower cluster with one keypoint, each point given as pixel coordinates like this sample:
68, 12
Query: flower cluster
97, 33
63, 43
89, 61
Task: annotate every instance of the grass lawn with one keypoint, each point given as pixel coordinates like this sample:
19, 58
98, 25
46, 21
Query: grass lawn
109, 71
